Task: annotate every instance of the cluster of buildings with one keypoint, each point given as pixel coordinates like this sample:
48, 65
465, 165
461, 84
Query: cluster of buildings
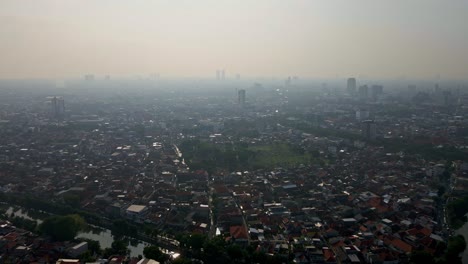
377, 211
355, 202
19, 245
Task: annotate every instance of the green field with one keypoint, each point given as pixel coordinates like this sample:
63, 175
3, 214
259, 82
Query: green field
210, 157
281, 154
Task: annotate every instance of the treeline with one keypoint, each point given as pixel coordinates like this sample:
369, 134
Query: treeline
427, 151
456, 211
62, 228
119, 227
21, 222
48, 206
456, 245
198, 247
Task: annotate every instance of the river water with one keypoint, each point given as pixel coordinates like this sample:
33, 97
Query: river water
104, 236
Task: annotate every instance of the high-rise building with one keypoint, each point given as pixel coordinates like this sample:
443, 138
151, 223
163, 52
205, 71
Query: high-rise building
362, 114
363, 91
447, 97
89, 77
241, 97
369, 130
57, 105
376, 91
351, 87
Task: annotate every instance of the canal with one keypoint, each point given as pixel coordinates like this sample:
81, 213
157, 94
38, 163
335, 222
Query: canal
104, 236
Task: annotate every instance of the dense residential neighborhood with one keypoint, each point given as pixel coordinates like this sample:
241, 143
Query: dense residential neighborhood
275, 172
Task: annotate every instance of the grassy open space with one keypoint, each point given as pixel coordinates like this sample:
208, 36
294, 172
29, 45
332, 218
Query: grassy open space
208, 156
281, 154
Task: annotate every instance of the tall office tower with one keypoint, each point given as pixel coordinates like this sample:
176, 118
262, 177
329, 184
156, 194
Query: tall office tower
351, 88
437, 88
369, 130
241, 97
376, 91
218, 75
222, 75
89, 77
362, 114
363, 91
57, 107
447, 97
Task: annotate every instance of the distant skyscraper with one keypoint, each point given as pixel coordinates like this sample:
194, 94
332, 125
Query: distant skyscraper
57, 105
376, 91
369, 130
362, 114
363, 91
241, 97
324, 87
351, 87
89, 77
447, 95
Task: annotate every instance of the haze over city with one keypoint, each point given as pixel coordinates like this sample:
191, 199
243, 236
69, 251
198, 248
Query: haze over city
216, 131
421, 39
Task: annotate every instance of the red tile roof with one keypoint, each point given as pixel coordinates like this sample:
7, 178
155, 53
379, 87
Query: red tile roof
238, 232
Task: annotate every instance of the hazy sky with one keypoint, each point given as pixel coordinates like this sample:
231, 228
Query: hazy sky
309, 38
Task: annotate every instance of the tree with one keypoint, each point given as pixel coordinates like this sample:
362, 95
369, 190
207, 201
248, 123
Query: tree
457, 210
214, 251
182, 260
440, 190
24, 223
456, 245
196, 241
93, 246
153, 252
72, 200
236, 253
122, 227
421, 257
62, 228
118, 247
87, 257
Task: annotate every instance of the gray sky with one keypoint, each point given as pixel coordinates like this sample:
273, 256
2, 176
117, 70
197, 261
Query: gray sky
308, 38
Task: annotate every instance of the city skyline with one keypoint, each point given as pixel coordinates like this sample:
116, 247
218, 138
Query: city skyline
326, 39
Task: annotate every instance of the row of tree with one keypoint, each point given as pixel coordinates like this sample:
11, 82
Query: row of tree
456, 245
457, 210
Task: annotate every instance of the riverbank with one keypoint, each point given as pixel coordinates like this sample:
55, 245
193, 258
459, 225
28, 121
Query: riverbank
103, 235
